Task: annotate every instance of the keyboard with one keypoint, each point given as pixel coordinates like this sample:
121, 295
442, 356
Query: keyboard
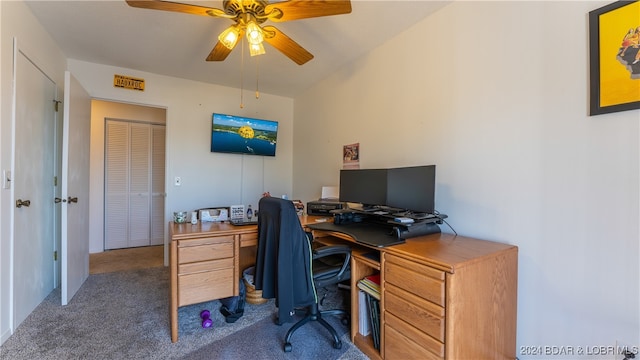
242, 222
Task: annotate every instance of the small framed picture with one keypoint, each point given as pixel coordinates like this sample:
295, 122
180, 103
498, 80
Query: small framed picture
237, 212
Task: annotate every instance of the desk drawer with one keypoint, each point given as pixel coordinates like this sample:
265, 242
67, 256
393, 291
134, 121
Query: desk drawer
421, 280
403, 341
249, 239
421, 314
205, 286
220, 250
205, 240
201, 266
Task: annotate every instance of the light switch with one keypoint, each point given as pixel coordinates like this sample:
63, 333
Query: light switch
177, 181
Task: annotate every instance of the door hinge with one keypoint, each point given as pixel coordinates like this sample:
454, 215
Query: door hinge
55, 256
55, 181
55, 104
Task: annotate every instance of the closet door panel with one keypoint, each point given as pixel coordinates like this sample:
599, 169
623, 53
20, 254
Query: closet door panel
157, 184
116, 185
139, 185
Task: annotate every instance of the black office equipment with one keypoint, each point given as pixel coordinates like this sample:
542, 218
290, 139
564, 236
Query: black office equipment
243, 222
365, 186
404, 191
366, 233
323, 207
412, 189
289, 270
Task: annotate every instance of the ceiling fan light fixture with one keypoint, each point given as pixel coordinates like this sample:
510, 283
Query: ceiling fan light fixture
256, 49
254, 33
229, 37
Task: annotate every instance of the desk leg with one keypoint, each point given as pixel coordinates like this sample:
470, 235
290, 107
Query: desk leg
173, 301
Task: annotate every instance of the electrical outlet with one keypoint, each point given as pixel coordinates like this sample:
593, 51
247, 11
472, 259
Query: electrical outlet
177, 181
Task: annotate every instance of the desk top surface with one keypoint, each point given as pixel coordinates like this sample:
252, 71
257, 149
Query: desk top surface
178, 231
447, 252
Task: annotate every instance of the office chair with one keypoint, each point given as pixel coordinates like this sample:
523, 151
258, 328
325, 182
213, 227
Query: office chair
289, 270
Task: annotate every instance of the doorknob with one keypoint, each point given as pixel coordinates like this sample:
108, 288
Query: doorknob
57, 200
72, 199
20, 203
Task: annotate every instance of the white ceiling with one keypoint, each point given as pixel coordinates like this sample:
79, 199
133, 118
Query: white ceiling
112, 33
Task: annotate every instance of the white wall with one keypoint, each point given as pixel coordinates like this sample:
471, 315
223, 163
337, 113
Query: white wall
16, 22
496, 95
208, 179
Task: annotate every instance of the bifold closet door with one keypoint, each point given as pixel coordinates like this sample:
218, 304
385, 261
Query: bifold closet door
134, 184
158, 224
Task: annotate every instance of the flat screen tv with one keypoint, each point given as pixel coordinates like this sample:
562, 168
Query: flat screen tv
365, 186
412, 188
243, 135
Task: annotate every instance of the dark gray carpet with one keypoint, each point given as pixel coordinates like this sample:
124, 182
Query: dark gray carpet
125, 315
257, 342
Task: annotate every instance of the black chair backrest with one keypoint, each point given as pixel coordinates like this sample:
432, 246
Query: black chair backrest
283, 260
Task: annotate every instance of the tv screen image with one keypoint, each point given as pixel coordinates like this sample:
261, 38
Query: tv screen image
243, 135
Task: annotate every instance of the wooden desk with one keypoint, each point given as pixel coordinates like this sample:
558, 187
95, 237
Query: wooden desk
442, 297
207, 260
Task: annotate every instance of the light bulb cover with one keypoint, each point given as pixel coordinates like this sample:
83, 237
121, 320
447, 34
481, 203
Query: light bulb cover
229, 37
254, 33
256, 49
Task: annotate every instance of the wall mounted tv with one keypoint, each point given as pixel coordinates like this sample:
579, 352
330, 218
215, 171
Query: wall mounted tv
243, 135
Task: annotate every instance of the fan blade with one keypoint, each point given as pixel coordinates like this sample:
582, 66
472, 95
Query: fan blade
290, 48
220, 52
178, 7
304, 9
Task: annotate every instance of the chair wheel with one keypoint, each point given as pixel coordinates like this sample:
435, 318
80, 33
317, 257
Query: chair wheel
337, 345
287, 347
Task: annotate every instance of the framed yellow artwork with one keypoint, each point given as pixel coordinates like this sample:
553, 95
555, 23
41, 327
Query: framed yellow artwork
614, 57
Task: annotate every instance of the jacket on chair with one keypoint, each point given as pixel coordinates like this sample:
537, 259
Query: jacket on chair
283, 260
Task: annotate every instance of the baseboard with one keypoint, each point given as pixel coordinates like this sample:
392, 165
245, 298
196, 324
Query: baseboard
5, 336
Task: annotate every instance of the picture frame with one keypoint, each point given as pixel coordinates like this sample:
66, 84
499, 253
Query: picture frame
614, 57
236, 212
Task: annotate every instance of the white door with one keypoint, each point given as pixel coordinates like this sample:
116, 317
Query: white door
33, 238
75, 188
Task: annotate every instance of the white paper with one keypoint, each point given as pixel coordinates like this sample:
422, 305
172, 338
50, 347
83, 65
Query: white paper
330, 192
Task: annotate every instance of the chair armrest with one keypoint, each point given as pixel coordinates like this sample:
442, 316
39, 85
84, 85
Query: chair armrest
323, 251
329, 250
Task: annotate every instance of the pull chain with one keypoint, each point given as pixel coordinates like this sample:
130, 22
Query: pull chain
242, 77
257, 76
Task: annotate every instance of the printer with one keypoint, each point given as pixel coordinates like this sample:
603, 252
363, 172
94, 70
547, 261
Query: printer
324, 206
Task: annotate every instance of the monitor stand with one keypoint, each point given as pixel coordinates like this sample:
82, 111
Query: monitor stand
419, 216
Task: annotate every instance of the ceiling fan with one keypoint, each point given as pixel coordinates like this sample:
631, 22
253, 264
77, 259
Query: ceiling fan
249, 15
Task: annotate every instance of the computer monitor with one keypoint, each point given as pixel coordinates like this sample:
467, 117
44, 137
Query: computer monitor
365, 186
412, 188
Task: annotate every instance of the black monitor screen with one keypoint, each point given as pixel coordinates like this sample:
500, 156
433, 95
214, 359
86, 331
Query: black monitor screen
365, 186
412, 188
